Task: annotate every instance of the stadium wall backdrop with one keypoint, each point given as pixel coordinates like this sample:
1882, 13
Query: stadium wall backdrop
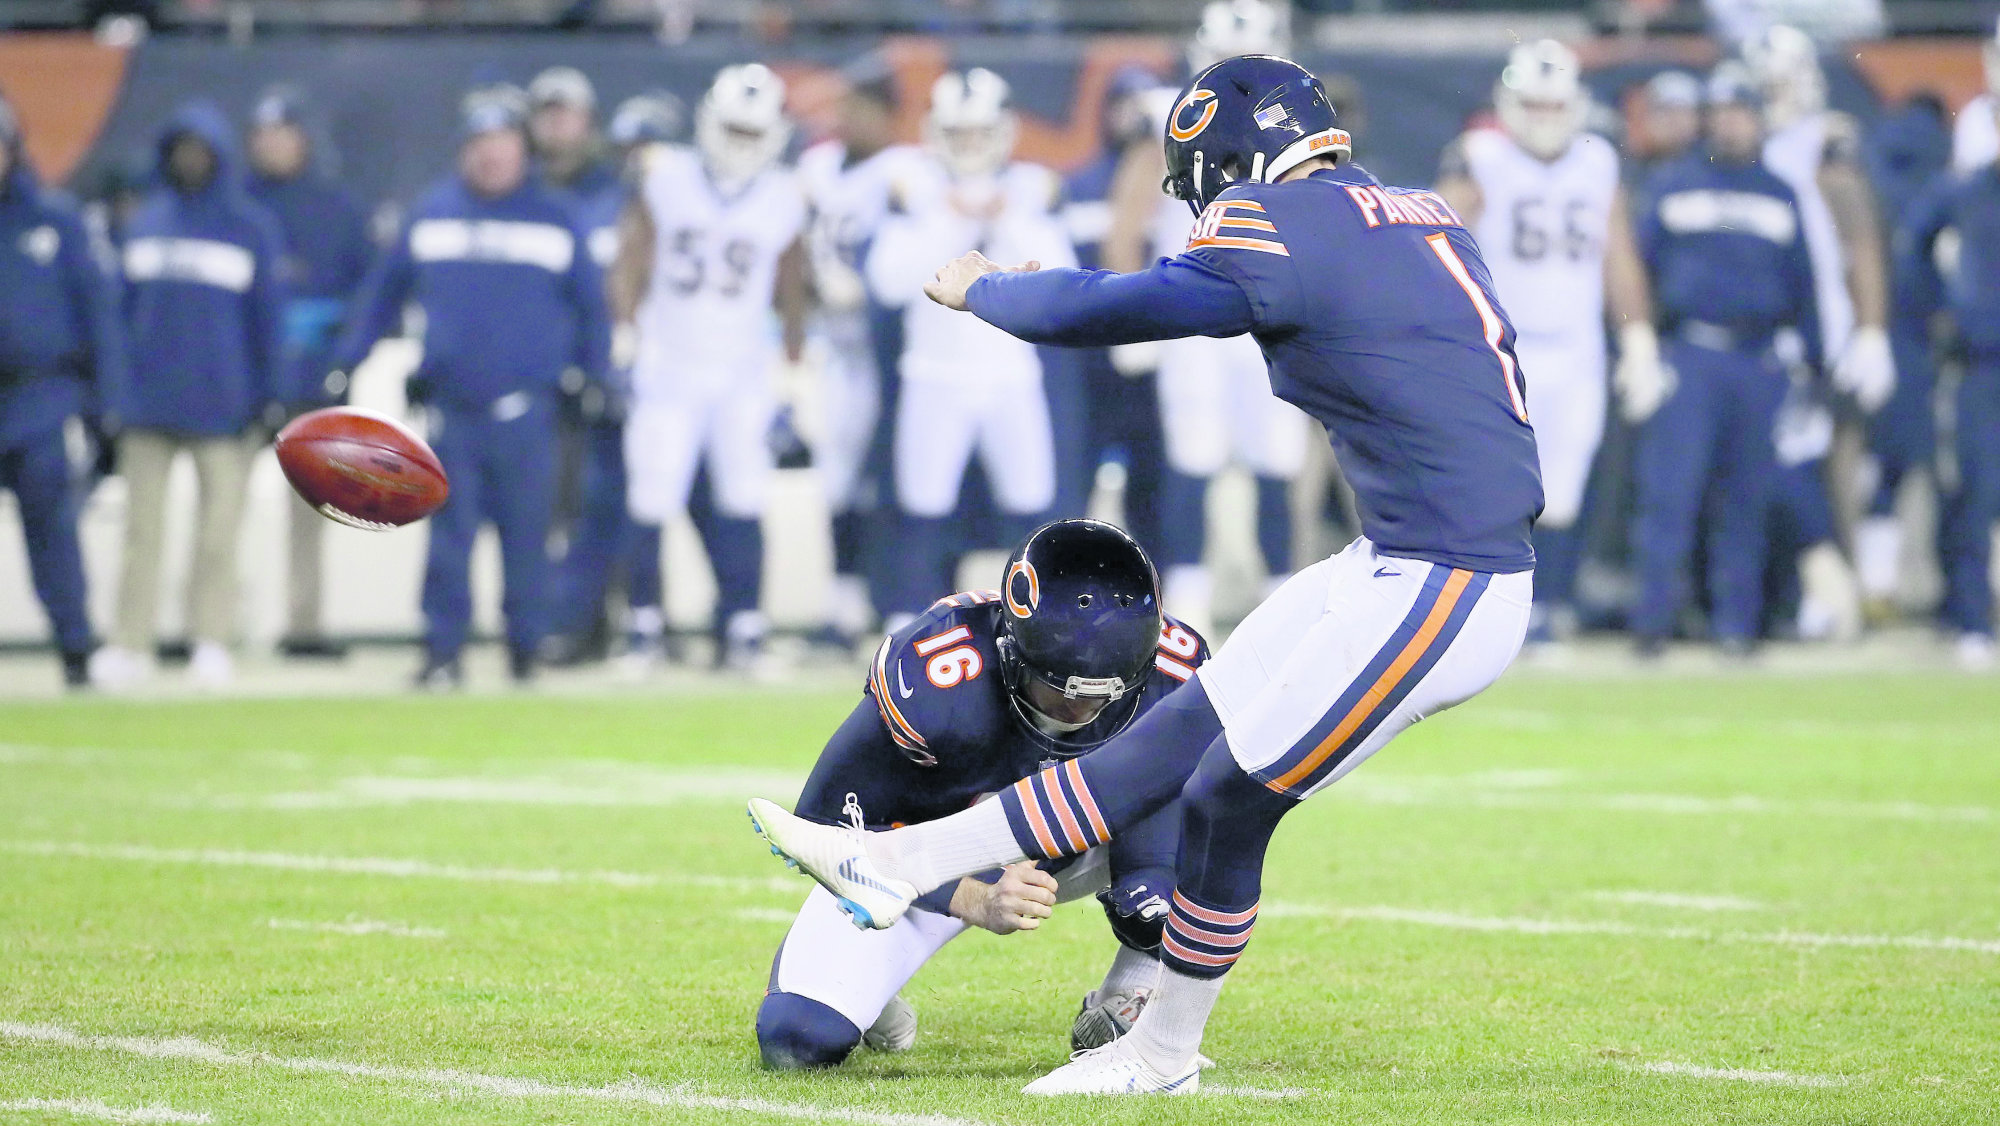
388, 101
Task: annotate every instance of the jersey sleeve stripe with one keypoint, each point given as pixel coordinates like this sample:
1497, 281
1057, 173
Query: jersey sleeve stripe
1031, 807
1245, 204
1226, 243
1248, 224
1488, 319
1087, 801
900, 729
1172, 667
1065, 812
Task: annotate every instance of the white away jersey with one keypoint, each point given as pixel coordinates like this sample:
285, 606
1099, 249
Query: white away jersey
1542, 227
707, 313
939, 343
1795, 154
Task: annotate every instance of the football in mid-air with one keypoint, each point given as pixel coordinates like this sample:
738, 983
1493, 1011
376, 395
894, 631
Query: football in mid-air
363, 469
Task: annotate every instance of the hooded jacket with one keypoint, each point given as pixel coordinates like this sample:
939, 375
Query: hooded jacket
204, 301
510, 295
61, 351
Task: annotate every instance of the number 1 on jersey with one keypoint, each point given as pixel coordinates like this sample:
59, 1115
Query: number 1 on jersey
1489, 319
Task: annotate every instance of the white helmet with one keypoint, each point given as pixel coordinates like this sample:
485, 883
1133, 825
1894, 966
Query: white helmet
1540, 97
740, 124
970, 127
1786, 65
1238, 27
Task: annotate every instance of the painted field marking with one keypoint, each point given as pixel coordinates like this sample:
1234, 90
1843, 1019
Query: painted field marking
1685, 902
1515, 925
765, 915
589, 786
355, 927
1232, 1091
1740, 1075
1430, 793
91, 1108
394, 867
451, 1080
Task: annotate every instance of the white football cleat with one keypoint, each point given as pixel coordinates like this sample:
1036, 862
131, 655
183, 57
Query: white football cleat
837, 859
1116, 1069
895, 1030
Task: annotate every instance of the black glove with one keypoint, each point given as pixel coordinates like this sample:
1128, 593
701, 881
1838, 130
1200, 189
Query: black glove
1136, 908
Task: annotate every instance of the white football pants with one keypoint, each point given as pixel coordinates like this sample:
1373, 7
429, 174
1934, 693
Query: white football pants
1216, 407
939, 425
667, 435
1567, 395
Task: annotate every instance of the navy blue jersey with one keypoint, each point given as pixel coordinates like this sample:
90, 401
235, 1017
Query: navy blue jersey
1376, 316
939, 730
1725, 245
1968, 203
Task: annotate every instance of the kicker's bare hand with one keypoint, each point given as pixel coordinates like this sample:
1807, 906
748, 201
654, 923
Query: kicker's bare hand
1023, 897
949, 286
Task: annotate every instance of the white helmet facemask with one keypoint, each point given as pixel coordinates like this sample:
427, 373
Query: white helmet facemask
969, 128
740, 125
1540, 97
1238, 27
1786, 65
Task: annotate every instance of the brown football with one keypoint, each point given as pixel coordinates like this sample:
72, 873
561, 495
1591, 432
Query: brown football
363, 469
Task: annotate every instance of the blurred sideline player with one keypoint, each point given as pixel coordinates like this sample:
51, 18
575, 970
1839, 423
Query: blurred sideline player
511, 302
849, 181
601, 541
1952, 242
1975, 136
62, 357
1378, 317
983, 687
966, 386
1725, 246
1906, 150
327, 252
1671, 123
711, 246
1543, 198
1816, 151
1115, 427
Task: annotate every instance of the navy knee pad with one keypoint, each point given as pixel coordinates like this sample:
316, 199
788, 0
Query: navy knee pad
795, 1032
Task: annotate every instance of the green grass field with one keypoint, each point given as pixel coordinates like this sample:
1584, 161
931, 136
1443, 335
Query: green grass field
1757, 899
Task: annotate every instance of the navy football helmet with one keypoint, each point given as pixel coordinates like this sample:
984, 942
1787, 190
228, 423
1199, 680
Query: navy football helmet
1081, 615
1248, 120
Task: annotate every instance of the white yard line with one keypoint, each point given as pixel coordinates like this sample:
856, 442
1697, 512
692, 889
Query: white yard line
1515, 925
355, 927
1684, 902
765, 915
438, 1080
91, 1108
589, 786
394, 867
1232, 1091
1394, 792
1740, 1075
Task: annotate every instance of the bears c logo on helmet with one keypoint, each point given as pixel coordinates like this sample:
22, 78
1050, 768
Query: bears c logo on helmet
1024, 589
1197, 97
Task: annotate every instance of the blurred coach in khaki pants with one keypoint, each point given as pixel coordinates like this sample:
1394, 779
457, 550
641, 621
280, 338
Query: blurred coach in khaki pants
203, 310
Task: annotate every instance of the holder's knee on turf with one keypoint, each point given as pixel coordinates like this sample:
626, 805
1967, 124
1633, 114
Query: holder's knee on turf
794, 1033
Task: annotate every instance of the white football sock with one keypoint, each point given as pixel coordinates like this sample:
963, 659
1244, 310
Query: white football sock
1878, 554
933, 853
1130, 972
1168, 1032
